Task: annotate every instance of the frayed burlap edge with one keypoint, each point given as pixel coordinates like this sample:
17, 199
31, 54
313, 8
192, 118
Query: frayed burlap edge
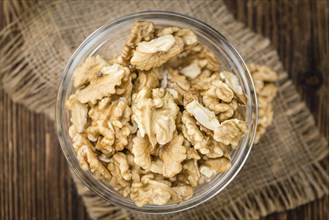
18, 82
298, 188
308, 184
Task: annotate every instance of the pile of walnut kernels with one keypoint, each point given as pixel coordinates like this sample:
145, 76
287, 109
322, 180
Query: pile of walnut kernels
159, 119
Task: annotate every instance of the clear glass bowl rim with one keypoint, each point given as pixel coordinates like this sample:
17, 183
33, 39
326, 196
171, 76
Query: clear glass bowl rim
246, 146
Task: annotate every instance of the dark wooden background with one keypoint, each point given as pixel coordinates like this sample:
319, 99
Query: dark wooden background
35, 181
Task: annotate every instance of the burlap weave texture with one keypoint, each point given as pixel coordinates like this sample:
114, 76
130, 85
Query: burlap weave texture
283, 170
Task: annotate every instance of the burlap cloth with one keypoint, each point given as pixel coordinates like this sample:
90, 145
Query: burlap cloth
283, 170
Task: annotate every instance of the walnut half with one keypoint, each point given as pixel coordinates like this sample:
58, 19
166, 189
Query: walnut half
155, 113
156, 52
103, 85
172, 154
230, 132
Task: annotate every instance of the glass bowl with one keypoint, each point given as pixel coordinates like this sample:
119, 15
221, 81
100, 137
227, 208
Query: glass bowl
108, 41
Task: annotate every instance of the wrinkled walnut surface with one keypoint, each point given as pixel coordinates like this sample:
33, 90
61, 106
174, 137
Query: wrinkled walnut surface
159, 119
264, 80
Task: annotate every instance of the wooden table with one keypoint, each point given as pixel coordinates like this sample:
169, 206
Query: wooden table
35, 181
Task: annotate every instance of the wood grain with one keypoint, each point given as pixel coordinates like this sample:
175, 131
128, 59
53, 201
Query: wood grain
35, 182
299, 30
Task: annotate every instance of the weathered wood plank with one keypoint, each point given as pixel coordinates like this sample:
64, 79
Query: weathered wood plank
35, 181
298, 29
